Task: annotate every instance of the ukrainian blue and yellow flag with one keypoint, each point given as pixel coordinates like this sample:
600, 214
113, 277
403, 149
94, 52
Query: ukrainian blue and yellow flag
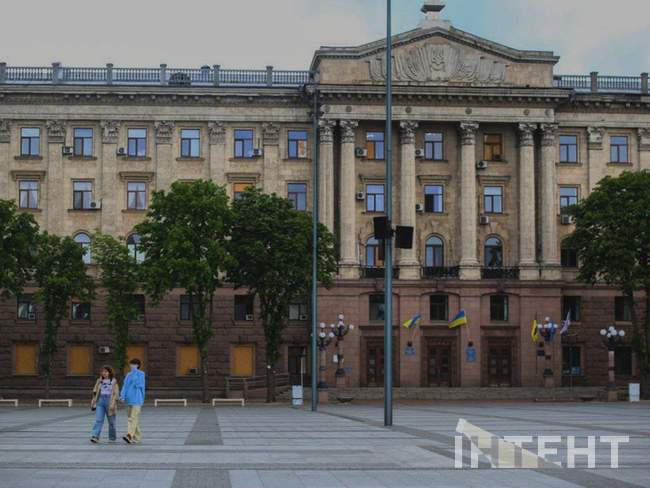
413, 321
458, 320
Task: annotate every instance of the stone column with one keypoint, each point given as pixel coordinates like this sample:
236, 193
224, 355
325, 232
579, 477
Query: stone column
349, 265
5, 138
165, 163
408, 263
57, 202
217, 140
528, 269
271, 141
110, 184
597, 157
644, 148
548, 201
469, 266
326, 172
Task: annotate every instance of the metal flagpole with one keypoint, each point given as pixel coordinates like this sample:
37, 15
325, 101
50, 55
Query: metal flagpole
388, 242
314, 264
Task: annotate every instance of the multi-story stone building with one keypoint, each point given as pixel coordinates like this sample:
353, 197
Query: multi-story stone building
490, 147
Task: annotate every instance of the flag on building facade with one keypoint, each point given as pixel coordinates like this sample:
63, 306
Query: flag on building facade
413, 321
534, 331
566, 323
458, 320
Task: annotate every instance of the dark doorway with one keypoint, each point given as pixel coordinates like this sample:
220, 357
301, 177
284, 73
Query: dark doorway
438, 365
499, 365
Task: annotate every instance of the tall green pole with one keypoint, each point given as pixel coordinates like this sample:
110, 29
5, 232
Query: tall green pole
314, 259
388, 296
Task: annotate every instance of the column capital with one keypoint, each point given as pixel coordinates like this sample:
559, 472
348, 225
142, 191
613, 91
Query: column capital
164, 130
407, 131
110, 131
468, 133
596, 135
549, 131
326, 131
216, 133
526, 133
5, 130
349, 131
644, 138
270, 134
55, 131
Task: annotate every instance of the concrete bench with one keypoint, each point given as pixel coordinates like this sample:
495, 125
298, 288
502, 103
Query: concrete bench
158, 401
43, 401
228, 401
9, 402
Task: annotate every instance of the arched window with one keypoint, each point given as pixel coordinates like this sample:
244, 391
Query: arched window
493, 253
133, 244
434, 253
569, 255
373, 255
84, 241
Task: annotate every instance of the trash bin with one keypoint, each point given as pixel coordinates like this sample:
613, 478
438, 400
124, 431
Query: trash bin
634, 391
296, 395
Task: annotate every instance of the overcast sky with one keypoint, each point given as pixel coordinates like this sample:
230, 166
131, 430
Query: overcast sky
588, 34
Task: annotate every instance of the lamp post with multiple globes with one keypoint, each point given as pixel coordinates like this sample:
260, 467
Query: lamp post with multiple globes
611, 337
547, 330
340, 330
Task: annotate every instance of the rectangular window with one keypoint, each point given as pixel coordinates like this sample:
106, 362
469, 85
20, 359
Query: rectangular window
26, 359
571, 361
297, 144
28, 194
136, 195
243, 308
187, 360
80, 360
623, 360
568, 196
138, 305
376, 307
243, 143
499, 308
618, 147
297, 193
190, 143
433, 146
82, 195
30, 141
375, 198
568, 149
189, 307
492, 147
375, 145
83, 142
572, 305
493, 199
438, 307
622, 311
242, 360
299, 310
238, 189
80, 311
137, 143
25, 308
434, 198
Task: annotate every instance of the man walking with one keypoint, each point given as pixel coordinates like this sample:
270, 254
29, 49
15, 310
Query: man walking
133, 395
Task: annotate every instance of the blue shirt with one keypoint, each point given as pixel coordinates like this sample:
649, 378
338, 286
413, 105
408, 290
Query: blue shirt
133, 388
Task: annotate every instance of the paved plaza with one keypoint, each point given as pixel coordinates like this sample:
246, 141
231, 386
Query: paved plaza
340, 446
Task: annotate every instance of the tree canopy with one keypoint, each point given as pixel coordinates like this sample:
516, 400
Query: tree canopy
18, 236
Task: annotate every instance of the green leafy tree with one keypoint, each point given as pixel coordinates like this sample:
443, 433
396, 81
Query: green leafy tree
184, 243
118, 277
60, 275
272, 249
612, 239
18, 235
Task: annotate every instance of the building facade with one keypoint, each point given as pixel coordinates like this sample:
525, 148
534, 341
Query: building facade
490, 146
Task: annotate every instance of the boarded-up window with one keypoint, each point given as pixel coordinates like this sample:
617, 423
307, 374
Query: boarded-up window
242, 360
80, 360
239, 188
187, 360
135, 351
26, 359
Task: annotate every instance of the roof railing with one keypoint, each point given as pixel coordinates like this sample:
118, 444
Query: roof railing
597, 83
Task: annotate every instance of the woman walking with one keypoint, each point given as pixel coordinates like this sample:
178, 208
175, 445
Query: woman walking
104, 403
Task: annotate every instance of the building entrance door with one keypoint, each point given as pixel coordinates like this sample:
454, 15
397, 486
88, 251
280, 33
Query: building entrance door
499, 364
439, 365
375, 364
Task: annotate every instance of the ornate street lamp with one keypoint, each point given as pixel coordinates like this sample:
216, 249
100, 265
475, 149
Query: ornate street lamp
548, 330
340, 330
323, 340
611, 337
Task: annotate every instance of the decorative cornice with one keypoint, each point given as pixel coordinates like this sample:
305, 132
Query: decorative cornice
549, 132
217, 133
596, 135
164, 130
5, 131
348, 128
326, 131
407, 131
644, 139
527, 134
270, 134
110, 131
468, 133
55, 131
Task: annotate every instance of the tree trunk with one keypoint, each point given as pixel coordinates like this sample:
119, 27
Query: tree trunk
270, 380
644, 355
47, 385
204, 377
